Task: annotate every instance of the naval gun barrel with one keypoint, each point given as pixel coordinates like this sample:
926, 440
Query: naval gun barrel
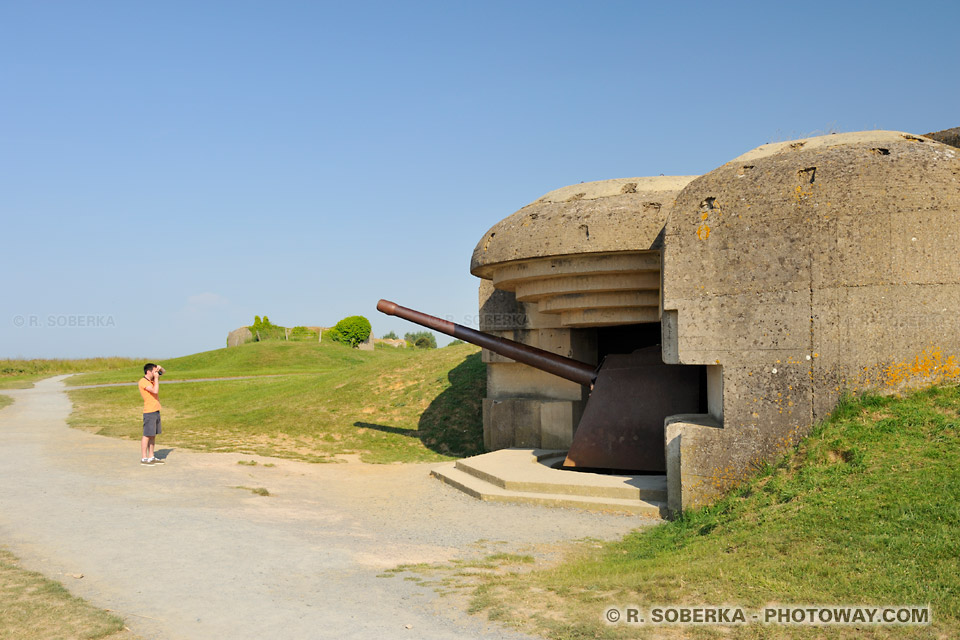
567, 368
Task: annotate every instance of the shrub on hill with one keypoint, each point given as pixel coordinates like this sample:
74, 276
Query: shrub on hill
421, 339
263, 329
351, 331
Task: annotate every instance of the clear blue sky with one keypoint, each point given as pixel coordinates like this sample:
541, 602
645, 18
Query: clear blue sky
173, 168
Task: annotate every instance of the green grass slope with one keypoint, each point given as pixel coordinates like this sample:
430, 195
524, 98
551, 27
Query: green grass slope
865, 511
311, 402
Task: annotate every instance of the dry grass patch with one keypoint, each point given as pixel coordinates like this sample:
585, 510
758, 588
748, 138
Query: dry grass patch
33, 607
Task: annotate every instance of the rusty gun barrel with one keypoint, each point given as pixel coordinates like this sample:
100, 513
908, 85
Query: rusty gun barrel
567, 368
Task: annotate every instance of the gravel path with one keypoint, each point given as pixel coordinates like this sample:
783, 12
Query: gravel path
181, 552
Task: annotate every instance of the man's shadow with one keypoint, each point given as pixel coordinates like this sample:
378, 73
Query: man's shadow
162, 453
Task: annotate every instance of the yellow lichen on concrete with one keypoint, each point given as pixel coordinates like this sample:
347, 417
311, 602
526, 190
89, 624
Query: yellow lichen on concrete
929, 366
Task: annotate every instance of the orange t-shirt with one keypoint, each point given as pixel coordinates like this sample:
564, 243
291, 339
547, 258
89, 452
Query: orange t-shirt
151, 402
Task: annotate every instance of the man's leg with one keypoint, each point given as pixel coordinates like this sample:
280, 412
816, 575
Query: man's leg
156, 432
152, 440
144, 444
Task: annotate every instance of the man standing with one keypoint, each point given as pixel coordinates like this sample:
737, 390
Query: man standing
150, 391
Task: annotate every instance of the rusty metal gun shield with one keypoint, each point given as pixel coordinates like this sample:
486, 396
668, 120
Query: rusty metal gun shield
622, 424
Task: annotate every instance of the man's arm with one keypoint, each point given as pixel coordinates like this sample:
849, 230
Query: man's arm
154, 386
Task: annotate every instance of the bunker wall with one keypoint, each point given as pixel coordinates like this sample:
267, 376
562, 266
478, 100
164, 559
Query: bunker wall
806, 270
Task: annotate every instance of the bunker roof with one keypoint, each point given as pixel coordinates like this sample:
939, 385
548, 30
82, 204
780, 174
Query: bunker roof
824, 143
623, 214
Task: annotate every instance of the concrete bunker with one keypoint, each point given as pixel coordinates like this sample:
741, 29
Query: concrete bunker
778, 281
578, 272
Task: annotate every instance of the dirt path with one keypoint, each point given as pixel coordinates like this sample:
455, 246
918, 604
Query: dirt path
181, 553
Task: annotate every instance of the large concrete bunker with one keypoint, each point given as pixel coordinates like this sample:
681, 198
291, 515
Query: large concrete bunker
736, 306
578, 272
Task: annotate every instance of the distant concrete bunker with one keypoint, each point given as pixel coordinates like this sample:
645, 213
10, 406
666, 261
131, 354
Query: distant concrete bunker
736, 306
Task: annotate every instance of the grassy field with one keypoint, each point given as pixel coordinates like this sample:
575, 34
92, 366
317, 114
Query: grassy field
252, 359
389, 405
21, 374
35, 608
866, 511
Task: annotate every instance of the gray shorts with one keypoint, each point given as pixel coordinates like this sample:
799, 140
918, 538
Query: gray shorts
151, 424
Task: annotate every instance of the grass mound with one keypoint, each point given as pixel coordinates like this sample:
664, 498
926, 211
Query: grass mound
389, 405
252, 359
865, 511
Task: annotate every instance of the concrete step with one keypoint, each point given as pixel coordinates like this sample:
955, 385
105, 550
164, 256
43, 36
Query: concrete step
532, 471
551, 461
482, 490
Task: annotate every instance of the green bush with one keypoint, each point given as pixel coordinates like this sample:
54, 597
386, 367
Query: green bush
421, 339
351, 331
263, 329
390, 336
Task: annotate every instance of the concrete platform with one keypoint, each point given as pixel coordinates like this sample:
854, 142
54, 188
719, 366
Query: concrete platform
531, 476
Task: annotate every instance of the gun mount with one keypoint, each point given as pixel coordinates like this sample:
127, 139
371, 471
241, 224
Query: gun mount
567, 368
630, 395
